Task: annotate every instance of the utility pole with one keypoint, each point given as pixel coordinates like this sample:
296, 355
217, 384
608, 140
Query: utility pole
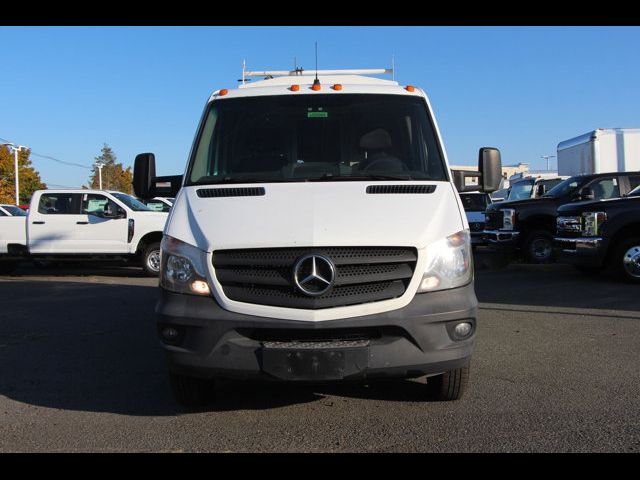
16, 151
547, 157
99, 166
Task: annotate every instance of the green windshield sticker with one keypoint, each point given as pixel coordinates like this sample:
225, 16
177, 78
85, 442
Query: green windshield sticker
317, 114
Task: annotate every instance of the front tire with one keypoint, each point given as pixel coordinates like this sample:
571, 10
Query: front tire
538, 247
626, 260
151, 260
448, 386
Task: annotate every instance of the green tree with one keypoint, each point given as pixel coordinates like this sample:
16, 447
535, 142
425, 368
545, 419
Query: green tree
114, 175
28, 177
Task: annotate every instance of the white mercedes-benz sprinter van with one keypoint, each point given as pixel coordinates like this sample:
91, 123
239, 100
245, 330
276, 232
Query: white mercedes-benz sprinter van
316, 235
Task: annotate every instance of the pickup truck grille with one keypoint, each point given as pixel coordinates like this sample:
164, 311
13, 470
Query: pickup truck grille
493, 220
362, 275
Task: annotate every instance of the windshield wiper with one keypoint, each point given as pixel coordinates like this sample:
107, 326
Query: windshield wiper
328, 177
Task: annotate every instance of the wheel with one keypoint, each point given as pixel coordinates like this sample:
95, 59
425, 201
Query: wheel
151, 259
449, 385
626, 260
538, 247
190, 391
7, 267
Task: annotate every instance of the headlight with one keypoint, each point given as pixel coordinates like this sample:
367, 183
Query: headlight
508, 218
569, 224
592, 222
182, 267
449, 263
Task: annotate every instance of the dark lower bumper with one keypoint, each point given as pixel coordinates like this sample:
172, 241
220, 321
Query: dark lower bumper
588, 251
408, 342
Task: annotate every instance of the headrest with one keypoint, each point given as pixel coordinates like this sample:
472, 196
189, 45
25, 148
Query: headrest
377, 139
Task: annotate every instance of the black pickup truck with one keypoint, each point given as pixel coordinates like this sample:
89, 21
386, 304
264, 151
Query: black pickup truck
601, 234
528, 226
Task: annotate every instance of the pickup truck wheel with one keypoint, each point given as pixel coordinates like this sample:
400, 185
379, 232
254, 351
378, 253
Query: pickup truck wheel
190, 391
450, 385
538, 247
626, 259
7, 267
151, 259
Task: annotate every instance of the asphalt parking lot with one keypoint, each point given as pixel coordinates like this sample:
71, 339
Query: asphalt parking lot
556, 368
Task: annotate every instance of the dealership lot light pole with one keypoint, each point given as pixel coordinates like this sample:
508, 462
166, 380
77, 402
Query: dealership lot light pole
16, 151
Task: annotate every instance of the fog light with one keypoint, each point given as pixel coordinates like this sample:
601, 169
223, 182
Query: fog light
170, 333
462, 329
200, 287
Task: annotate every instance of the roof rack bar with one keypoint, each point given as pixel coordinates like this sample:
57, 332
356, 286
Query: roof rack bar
300, 71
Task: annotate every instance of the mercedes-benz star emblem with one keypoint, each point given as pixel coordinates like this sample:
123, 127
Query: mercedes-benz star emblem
314, 274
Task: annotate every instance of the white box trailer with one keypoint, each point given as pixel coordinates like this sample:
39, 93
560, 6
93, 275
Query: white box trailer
600, 151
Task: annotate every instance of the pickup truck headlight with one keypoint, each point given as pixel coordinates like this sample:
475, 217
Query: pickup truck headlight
182, 267
592, 222
449, 263
508, 218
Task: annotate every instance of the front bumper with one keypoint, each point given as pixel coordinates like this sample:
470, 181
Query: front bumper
580, 250
502, 237
408, 342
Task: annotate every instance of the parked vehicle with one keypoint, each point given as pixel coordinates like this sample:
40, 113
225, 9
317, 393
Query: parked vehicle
65, 225
158, 204
531, 186
500, 195
317, 236
602, 234
527, 226
475, 205
12, 211
604, 150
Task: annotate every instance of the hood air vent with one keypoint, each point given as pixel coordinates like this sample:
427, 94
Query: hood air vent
230, 192
392, 189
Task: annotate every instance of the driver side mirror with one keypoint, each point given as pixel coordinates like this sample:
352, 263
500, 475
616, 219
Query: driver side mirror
111, 210
586, 194
145, 183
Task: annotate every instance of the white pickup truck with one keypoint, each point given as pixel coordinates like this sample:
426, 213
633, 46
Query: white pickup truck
65, 225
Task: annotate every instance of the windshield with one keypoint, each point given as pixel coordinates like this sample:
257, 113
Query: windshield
565, 187
15, 211
520, 190
131, 202
474, 202
286, 138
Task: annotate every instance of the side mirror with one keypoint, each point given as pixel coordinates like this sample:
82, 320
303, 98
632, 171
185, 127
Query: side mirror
586, 194
541, 189
145, 183
111, 210
144, 172
490, 168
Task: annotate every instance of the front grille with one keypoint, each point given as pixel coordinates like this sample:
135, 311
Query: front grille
400, 189
476, 226
363, 275
494, 219
230, 192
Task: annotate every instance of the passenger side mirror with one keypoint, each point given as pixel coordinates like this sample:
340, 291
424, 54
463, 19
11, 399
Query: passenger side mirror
145, 183
541, 189
490, 168
111, 210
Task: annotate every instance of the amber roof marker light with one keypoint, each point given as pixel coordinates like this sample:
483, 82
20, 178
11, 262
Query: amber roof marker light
294, 88
223, 92
337, 86
410, 88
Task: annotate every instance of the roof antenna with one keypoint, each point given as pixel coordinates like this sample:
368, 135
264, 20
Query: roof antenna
316, 81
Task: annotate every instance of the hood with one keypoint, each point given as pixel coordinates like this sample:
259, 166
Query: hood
304, 214
520, 203
594, 205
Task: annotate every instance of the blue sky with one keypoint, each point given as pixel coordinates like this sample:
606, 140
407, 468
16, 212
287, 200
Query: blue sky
67, 90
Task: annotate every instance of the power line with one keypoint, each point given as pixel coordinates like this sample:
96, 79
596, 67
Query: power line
52, 158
